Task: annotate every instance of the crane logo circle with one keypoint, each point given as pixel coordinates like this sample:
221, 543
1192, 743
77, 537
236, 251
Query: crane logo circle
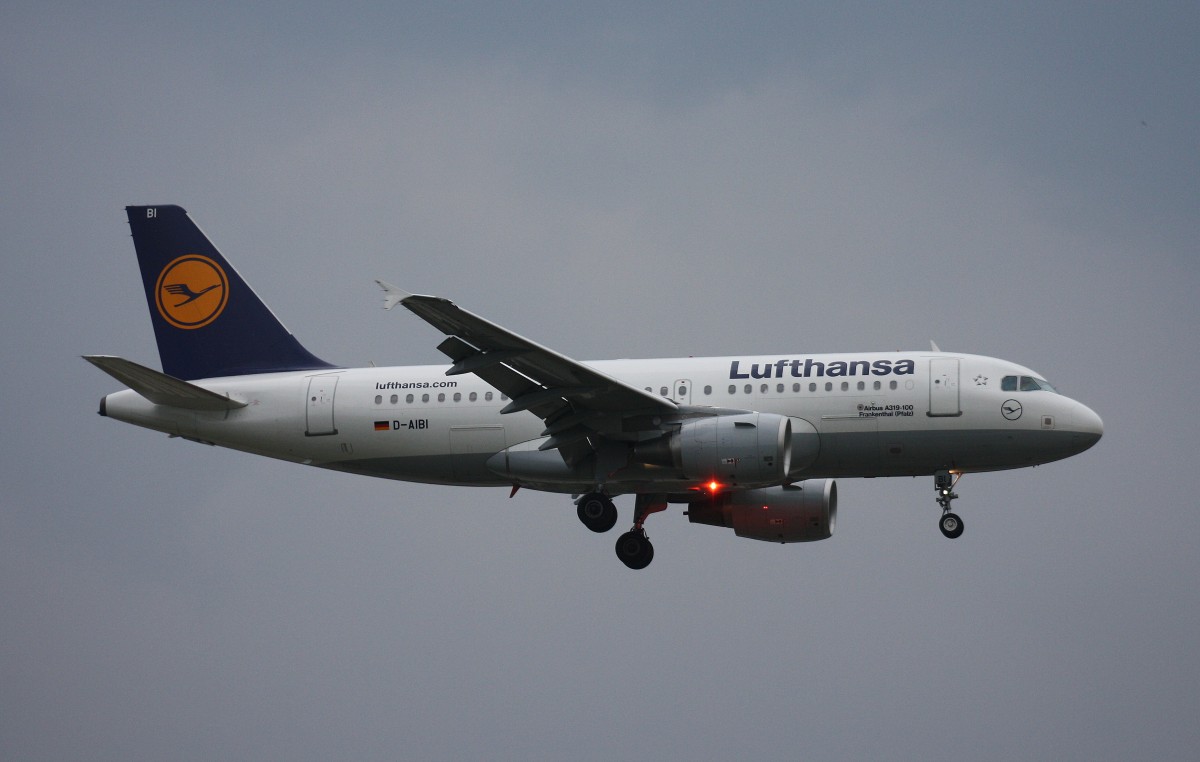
192, 291
1011, 409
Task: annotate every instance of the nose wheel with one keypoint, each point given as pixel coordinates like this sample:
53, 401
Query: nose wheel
950, 523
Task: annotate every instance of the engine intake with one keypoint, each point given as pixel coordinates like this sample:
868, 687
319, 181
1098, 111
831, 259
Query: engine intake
803, 512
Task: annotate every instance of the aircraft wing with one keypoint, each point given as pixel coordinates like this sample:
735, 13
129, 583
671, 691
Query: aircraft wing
574, 400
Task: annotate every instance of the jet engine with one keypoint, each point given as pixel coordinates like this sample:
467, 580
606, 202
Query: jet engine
802, 512
750, 448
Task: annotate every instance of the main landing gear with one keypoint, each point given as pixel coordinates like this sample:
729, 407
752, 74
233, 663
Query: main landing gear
633, 547
597, 512
950, 524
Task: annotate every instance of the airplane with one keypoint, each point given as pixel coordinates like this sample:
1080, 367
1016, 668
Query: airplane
750, 443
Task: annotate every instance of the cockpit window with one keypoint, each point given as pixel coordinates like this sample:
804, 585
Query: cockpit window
1025, 384
1045, 386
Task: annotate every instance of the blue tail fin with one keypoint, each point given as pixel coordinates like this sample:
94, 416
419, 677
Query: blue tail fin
207, 321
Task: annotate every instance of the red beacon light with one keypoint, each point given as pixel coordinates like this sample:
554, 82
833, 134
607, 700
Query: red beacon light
712, 487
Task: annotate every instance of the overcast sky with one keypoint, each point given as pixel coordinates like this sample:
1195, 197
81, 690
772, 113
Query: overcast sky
634, 180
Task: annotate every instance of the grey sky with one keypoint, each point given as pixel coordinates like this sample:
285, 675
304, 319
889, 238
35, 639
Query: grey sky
632, 181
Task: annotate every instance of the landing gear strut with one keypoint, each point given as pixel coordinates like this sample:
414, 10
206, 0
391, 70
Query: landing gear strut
633, 547
950, 524
597, 512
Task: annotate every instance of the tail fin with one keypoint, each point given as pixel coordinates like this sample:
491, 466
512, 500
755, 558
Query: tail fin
207, 320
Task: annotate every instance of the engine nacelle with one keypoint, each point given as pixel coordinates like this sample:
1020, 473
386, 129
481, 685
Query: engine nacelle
803, 512
747, 449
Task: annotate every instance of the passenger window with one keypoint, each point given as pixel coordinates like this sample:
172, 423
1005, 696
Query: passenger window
707, 390
683, 391
795, 387
424, 397
828, 386
1008, 384
861, 386
457, 397
812, 387
408, 399
487, 396
779, 388
878, 385
845, 385
395, 399
378, 399
762, 389
473, 397
749, 389
441, 398
663, 391
732, 389
892, 384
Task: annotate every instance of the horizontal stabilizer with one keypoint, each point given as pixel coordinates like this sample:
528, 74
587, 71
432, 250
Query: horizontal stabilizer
160, 388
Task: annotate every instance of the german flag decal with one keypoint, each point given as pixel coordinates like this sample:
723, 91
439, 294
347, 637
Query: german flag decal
383, 425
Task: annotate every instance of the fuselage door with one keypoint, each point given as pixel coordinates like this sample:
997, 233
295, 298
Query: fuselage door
681, 392
943, 387
320, 406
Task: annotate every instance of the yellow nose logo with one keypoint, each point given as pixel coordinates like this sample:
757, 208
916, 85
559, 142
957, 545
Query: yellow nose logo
192, 292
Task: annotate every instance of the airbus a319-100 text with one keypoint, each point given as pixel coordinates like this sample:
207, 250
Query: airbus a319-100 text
749, 443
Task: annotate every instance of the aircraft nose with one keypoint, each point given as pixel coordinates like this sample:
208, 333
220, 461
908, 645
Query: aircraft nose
1088, 426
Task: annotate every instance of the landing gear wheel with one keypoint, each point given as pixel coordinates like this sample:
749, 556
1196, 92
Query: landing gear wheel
597, 512
634, 549
951, 525
944, 482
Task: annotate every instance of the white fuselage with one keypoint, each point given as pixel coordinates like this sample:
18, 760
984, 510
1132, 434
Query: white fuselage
874, 414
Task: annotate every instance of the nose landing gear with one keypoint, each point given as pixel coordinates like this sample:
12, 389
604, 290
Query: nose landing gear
944, 482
